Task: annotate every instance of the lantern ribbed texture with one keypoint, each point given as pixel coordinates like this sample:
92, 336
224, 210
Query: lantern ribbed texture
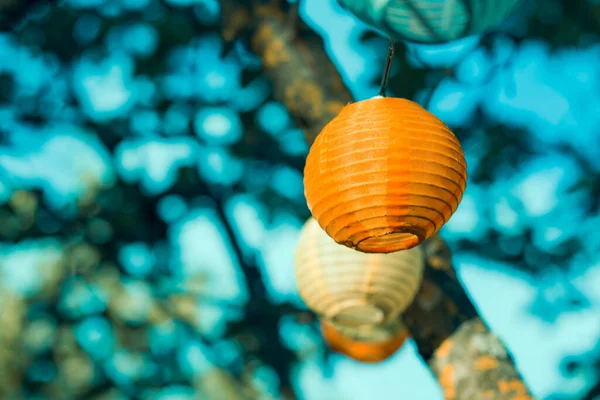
348, 287
365, 343
431, 21
384, 175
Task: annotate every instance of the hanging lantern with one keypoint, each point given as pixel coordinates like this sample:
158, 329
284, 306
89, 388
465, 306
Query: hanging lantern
350, 288
365, 343
431, 21
384, 175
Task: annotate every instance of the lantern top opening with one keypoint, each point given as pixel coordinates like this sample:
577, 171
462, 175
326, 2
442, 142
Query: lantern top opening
384, 99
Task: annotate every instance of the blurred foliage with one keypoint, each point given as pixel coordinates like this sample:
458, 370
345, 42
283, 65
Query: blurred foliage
151, 190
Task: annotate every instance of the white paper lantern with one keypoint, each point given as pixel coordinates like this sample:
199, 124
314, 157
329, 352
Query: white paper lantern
351, 288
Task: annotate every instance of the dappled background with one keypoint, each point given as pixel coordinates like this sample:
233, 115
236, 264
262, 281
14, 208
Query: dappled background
151, 198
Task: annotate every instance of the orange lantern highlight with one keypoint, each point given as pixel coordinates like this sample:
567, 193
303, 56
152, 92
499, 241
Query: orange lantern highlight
374, 346
384, 175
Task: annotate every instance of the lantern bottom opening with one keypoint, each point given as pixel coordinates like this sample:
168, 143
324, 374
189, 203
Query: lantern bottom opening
358, 314
391, 242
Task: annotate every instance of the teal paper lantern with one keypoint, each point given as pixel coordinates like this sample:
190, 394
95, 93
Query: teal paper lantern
431, 21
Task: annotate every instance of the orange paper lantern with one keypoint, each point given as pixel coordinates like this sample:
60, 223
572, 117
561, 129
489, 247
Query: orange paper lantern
369, 344
384, 175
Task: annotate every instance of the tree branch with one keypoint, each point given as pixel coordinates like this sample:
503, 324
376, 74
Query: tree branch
474, 364
303, 76
469, 361
441, 305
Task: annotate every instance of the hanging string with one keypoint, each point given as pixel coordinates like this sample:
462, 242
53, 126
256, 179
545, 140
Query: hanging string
388, 67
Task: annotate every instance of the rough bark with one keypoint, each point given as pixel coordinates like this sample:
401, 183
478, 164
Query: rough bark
303, 76
441, 305
474, 364
469, 361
